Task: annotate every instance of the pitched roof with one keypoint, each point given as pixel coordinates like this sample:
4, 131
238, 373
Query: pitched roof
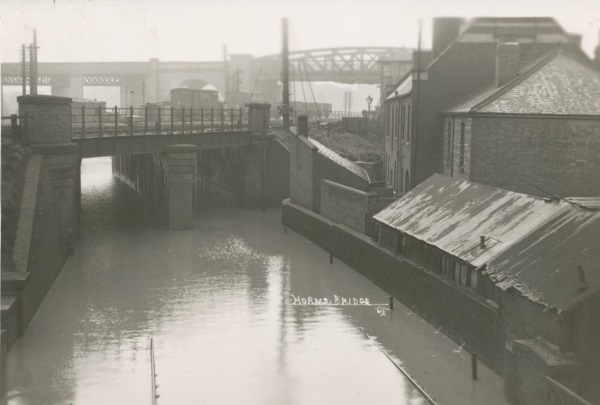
343, 162
543, 266
556, 85
403, 88
453, 214
497, 29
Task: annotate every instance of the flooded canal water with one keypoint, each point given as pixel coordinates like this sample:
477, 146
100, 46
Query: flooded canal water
218, 303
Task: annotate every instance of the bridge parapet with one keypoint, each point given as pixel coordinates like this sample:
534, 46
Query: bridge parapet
49, 134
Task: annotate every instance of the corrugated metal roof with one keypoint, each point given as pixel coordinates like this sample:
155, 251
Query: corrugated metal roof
347, 164
453, 214
543, 265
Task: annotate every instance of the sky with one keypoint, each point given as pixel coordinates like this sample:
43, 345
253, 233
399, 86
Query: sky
196, 30
137, 30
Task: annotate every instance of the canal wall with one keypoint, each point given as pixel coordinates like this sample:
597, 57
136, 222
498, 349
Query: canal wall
41, 247
465, 318
48, 212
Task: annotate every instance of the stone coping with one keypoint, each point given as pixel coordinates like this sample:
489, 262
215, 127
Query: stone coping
43, 99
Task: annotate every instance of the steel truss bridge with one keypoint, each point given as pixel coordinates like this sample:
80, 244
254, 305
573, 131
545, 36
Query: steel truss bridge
151, 81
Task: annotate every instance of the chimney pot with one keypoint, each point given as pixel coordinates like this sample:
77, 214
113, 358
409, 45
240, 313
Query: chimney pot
482, 242
507, 62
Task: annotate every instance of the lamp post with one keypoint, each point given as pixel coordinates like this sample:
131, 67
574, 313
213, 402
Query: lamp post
369, 101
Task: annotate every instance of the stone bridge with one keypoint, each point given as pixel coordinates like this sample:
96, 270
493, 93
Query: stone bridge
170, 159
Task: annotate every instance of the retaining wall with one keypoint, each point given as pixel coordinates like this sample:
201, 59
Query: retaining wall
458, 313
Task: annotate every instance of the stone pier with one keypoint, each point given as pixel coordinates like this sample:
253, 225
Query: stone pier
181, 169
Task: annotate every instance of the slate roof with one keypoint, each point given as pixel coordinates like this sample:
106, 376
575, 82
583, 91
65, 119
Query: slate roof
343, 162
403, 88
556, 85
452, 214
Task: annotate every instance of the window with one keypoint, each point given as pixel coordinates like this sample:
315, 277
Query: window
408, 130
461, 164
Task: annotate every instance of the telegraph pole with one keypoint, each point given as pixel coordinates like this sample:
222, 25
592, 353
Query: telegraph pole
225, 68
285, 107
33, 65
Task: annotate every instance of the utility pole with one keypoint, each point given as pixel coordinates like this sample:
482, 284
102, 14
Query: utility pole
24, 69
417, 86
225, 71
285, 107
33, 65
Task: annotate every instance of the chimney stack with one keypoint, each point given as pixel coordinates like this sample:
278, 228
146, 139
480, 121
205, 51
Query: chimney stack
507, 62
303, 125
445, 31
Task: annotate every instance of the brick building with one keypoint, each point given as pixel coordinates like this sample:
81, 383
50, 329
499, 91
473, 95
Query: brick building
463, 62
526, 268
537, 125
398, 109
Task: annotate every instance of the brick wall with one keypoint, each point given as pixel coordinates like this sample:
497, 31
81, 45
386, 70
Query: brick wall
344, 205
51, 122
452, 141
326, 169
561, 156
277, 173
302, 156
456, 311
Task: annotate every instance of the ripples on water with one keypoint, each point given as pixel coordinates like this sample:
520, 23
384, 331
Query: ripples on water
217, 301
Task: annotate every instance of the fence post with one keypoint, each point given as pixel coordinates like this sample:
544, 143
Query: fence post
116, 121
131, 120
13, 127
146, 120
172, 132
100, 121
241, 118
159, 122
83, 121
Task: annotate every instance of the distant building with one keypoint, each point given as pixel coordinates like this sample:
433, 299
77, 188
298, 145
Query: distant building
464, 62
524, 273
90, 108
191, 98
538, 125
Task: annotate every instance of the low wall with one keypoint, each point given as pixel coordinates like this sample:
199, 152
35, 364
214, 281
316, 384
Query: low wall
458, 313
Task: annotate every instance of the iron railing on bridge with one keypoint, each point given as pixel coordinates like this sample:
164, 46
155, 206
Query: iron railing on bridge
92, 122
14, 128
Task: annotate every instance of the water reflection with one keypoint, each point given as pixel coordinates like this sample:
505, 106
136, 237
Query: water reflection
217, 301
